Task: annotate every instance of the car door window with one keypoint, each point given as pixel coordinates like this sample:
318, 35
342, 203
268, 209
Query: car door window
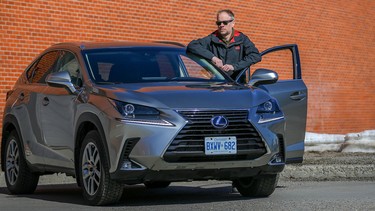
280, 61
69, 63
38, 72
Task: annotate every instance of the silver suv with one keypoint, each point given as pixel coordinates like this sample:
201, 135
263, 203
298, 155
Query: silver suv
110, 114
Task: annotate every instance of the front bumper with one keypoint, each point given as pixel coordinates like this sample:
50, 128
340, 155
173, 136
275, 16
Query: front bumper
141, 153
141, 176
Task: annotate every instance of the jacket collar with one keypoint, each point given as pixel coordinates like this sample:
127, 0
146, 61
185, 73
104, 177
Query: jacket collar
235, 38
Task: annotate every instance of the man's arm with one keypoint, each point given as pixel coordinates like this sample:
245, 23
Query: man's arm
201, 47
250, 57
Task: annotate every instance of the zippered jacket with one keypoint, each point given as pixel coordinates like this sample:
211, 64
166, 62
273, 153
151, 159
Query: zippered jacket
240, 52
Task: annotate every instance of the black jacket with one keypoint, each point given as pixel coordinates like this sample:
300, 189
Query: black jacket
240, 52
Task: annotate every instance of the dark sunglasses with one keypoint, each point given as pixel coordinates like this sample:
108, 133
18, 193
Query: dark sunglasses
218, 23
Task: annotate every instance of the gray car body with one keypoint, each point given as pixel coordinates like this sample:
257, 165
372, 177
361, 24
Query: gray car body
52, 120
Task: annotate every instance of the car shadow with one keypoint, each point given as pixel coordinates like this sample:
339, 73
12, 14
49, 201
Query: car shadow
175, 194
137, 195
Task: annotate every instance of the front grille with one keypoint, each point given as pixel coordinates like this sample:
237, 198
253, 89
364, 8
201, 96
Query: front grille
188, 146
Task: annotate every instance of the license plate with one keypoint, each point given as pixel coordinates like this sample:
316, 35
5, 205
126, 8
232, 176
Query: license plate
220, 145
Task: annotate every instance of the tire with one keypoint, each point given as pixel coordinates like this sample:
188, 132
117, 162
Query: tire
261, 186
97, 187
157, 184
18, 176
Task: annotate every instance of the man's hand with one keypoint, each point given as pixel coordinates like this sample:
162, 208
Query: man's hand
217, 62
220, 64
227, 67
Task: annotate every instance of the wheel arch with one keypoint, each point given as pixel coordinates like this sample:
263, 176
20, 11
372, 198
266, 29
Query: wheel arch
86, 123
10, 123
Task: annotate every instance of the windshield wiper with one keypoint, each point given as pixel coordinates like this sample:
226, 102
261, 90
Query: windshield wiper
187, 79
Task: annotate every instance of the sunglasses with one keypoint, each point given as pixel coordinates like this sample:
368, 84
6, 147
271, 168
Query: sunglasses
218, 23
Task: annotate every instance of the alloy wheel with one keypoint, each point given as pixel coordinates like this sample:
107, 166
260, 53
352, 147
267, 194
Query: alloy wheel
12, 162
91, 169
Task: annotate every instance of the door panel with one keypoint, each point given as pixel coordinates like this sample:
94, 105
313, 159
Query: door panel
291, 93
57, 108
25, 111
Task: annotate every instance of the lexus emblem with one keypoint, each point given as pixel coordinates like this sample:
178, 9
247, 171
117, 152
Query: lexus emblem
219, 122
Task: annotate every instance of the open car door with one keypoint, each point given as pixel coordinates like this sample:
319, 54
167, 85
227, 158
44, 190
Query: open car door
291, 93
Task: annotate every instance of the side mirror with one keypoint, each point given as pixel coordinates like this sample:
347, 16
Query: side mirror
61, 79
263, 76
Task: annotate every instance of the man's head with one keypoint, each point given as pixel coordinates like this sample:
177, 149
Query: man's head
225, 22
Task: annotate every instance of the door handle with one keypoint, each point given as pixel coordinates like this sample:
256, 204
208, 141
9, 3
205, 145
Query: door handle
298, 96
45, 101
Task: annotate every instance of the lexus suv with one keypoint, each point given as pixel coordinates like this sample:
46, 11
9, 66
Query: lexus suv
119, 113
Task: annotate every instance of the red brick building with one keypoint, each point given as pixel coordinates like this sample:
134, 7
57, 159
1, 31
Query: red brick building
336, 40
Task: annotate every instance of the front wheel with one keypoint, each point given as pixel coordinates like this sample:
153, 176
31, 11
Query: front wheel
261, 186
98, 188
18, 176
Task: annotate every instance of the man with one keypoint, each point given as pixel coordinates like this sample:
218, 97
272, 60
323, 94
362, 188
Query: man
228, 49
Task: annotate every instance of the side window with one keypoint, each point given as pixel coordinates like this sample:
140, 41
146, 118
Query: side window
195, 70
69, 63
31, 70
38, 72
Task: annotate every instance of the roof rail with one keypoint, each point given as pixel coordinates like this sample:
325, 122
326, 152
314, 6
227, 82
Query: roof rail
172, 43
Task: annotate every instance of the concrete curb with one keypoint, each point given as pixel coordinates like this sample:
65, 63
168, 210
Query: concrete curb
332, 166
328, 172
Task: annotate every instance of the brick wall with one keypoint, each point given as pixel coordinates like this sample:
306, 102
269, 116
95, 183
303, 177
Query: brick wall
336, 41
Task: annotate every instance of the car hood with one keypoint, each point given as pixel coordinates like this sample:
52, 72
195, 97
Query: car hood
186, 95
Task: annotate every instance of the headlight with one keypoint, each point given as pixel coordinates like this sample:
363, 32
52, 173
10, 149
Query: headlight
133, 113
269, 111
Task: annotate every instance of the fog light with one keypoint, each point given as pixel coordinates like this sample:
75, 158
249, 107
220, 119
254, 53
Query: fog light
131, 165
276, 159
126, 165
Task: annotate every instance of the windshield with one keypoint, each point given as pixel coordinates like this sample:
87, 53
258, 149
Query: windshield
138, 65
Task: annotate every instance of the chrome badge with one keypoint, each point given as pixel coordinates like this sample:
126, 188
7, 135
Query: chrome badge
220, 122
